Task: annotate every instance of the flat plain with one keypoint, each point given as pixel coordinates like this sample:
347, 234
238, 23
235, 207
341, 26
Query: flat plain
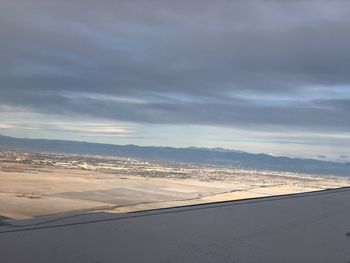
39, 184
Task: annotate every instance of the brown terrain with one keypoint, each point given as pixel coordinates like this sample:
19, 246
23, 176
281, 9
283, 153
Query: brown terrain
33, 184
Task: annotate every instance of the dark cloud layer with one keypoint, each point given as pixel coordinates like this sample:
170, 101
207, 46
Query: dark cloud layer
227, 63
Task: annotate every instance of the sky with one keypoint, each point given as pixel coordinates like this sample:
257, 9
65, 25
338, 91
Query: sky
258, 76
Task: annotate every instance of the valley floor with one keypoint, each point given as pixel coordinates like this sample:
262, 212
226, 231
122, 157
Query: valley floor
28, 189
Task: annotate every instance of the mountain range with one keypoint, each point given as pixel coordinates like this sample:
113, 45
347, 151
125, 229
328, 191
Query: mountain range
207, 156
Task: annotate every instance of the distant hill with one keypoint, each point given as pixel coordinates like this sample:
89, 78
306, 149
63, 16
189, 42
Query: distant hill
195, 155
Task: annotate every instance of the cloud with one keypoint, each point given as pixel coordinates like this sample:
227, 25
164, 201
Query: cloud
5, 126
228, 63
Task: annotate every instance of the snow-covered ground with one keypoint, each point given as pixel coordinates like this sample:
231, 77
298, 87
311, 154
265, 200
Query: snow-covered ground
309, 227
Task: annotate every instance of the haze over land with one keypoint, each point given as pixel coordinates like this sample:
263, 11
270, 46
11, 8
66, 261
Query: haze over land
222, 157
40, 184
85, 177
